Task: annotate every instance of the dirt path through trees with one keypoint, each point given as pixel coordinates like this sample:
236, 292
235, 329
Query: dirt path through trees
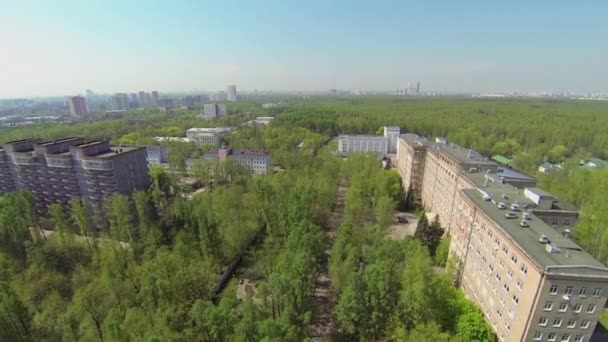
323, 326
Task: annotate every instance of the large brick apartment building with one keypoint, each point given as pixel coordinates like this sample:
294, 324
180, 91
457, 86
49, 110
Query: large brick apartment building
511, 242
55, 171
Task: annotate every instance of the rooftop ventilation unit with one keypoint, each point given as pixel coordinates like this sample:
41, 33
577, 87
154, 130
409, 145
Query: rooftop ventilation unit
504, 196
473, 170
487, 198
511, 215
502, 206
524, 224
543, 239
551, 249
526, 216
567, 233
515, 207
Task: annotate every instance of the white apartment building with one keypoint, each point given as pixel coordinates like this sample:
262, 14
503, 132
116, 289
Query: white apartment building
380, 144
207, 136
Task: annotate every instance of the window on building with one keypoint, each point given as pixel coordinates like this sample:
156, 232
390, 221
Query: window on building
597, 292
577, 308
584, 324
501, 264
498, 277
538, 336
511, 313
508, 326
591, 308
553, 290
505, 250
563, 307
579, 338
514, 259
569, 290
571, 324
582, 292
505, 287
515, 299
523, 269
548, 306
551, 337
519, 284
557, 322
510, 274
565, 338
543, 321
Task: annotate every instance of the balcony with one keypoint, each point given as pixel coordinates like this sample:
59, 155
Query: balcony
102, 165
59, 162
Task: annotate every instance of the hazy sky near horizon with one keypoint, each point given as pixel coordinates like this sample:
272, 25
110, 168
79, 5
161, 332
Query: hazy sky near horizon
64, 47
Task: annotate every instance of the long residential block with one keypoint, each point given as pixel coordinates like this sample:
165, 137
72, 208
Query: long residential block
511, 243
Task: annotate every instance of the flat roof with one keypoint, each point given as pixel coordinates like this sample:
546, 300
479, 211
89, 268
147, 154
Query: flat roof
116, 151
208, 129
570, 254
462, 154
362, 136
541, 192
510, 173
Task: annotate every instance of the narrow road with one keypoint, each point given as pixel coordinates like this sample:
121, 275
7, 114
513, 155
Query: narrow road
322, 326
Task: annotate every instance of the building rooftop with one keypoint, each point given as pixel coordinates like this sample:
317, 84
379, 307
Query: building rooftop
363, 136
463, 155
117, 150
510, 173
208, 129
563, 251
502, 159
236, 151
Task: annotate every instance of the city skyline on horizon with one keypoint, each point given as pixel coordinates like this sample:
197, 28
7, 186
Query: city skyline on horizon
64, 48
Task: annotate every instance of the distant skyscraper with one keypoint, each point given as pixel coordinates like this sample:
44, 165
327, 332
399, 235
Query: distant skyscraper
90, 94
418, 88
120, 101
231, 93
78, 105
142, 98
134, 100
155, 97
212, 111
148, 99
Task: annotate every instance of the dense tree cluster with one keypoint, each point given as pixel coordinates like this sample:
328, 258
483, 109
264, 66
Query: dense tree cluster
386, 289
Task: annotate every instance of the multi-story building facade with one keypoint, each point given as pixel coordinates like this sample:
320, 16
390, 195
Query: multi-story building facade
213, 110
380, 144
231, 94
531, 282
119, 101
510, 241
258, 162
207, 136
411, 155
78, 105
391, 133
157, 155
56, 171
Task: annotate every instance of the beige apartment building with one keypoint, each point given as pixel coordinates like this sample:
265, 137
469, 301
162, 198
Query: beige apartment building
511, 242
531, 282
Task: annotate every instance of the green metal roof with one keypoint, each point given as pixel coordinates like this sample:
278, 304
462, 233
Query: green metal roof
502, 159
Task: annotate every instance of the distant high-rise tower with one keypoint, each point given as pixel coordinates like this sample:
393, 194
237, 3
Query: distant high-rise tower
120, 101
134, 100
142, 98
418, 87
155, 97
231, 93
78, 105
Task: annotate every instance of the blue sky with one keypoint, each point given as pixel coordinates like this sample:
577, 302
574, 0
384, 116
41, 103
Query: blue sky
63, 47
